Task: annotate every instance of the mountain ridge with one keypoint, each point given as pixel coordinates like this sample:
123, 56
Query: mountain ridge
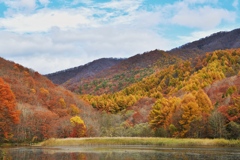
124, 73
216, 41
86, 70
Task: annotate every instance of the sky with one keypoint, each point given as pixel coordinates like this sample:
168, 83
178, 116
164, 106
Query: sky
52, 35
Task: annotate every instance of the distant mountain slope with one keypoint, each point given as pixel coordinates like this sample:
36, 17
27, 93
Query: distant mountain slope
84, 71
216, 41
124, 73
111, 75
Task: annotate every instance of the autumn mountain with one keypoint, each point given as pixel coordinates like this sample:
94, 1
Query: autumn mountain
124, 73
186, 99
85, 71
45, 109
216, 41
157, 93
110, 77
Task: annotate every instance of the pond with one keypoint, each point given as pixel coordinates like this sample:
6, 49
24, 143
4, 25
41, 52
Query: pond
122, 152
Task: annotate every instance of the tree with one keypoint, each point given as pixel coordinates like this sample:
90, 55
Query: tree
79, 128
233, 130
8, 113
217, 125
204, 103
162, 113
191, 114
74, 110
62, 102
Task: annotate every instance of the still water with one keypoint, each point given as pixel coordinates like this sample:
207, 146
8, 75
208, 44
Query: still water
118, 153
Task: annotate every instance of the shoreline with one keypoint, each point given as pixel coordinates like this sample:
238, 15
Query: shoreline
166, 142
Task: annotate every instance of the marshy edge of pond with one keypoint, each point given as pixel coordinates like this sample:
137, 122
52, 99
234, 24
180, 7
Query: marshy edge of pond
172, 142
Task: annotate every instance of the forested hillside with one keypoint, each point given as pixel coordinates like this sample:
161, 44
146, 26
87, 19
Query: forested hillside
112, 75
183, 98
123, 74
85, 71
153, 94
37, 109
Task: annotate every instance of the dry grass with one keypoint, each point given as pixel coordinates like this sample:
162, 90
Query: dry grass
140, 141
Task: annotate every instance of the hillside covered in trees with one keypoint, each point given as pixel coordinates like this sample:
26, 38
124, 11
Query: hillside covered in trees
156, 93
111, 75
123, 74
84, 71
33, 108
197, 98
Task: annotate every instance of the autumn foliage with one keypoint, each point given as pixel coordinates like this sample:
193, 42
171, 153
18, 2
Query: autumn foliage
46, 109
79, 128
196, 98
9, 115
182, 106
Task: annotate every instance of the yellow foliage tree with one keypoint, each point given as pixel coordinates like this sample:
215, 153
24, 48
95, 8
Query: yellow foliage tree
62, 102
79, 128
74, 110
204, 103
161, 114
190, 113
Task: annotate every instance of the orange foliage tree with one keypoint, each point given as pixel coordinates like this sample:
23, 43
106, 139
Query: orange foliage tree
8, 113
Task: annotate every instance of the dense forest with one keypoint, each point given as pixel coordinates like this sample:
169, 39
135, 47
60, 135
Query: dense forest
197, 98
34, 109
181, 94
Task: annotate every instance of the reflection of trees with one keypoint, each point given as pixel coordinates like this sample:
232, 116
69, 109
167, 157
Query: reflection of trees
4, 155
44, 154
119, 153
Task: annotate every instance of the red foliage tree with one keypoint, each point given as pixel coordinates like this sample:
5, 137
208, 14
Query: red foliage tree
8, 113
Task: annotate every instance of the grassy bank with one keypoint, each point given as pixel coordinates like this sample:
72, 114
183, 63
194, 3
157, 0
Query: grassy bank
172, 142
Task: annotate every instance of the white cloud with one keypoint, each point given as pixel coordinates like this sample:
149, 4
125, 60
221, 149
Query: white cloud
43, 20
44, 2
15, 45
24, 6
49, 63
202, 17
80, 45
235, 4
123, 12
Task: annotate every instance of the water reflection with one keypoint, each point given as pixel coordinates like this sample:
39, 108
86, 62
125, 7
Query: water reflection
118, 153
